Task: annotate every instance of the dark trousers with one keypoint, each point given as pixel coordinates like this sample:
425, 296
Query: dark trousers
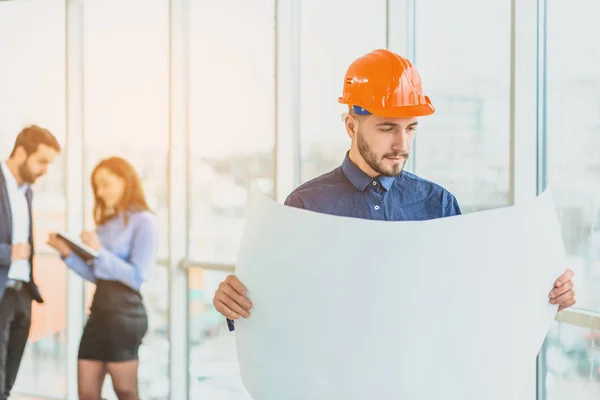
15, 320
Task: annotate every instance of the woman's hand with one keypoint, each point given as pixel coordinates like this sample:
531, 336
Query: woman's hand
59, 244
91, 239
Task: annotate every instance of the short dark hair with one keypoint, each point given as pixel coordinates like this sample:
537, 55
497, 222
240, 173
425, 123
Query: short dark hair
32, 136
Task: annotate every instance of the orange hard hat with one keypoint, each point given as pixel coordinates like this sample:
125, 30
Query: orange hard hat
385, 84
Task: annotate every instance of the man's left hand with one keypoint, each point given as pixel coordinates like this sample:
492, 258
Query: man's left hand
563, 293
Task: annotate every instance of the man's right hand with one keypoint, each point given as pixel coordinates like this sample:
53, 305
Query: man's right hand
230, 299
20, 251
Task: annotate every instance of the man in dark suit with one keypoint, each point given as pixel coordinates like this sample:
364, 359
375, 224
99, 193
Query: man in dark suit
34, 150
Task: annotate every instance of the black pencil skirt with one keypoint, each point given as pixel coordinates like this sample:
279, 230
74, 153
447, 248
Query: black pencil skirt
116, 325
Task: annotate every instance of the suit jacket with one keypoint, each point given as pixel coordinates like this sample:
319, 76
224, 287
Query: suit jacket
6, 240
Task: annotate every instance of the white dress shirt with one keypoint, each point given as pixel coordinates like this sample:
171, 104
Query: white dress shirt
19, 210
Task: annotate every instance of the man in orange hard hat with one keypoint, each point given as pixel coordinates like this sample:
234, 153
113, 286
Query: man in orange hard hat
384, 95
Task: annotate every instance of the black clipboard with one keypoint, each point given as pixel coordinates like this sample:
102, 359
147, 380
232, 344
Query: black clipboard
78, 247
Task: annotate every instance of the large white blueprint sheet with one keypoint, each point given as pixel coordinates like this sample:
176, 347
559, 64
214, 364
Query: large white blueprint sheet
455, 308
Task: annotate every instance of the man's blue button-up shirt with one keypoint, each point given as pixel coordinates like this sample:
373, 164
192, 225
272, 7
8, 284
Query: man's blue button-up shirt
347, 191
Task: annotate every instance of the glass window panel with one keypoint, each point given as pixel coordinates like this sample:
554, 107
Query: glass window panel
126, 113
232, 139
464, 146
232, 120
570, 363
573, 139
32, 91
330, 41
572, 174
214, 369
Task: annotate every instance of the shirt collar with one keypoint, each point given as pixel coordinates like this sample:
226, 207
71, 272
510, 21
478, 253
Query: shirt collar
10, 178
359, 179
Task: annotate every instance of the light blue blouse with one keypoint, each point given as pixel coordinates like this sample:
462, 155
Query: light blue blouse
128, 252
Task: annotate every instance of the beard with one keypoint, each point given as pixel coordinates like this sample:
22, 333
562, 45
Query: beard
376, 162
27, 176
